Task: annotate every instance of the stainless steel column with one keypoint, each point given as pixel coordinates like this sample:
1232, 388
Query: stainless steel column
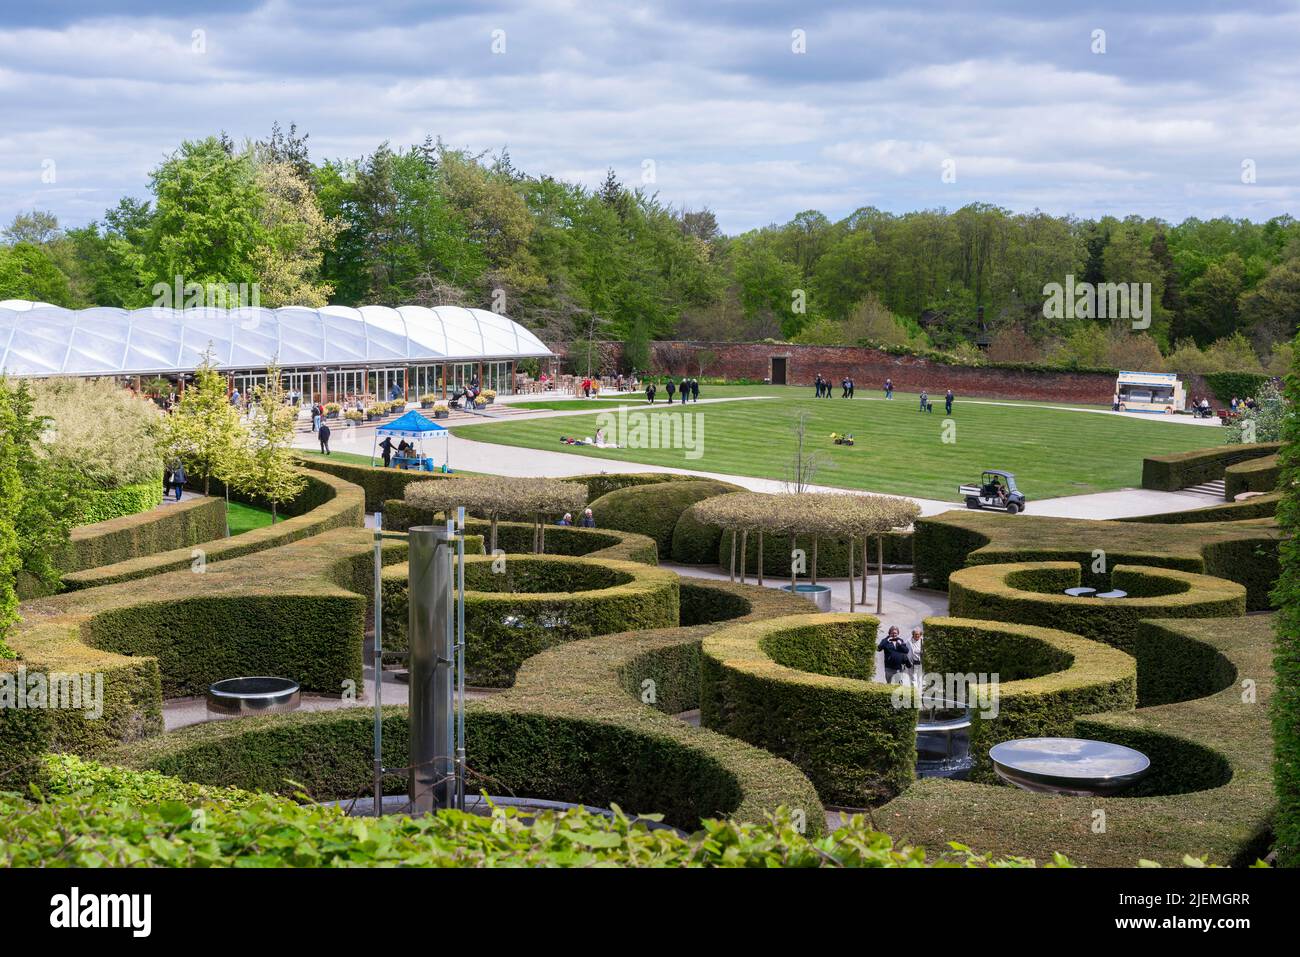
430, 666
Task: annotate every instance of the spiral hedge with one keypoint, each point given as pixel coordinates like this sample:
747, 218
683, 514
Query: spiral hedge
1209, 793
1044, 678
801, 687
519, 605
576, 726
1245, 552
1030, 593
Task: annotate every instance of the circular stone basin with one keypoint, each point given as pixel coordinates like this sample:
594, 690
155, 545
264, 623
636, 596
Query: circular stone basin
1074, 766
249, 696
1113, 593
1080, 592
819, 595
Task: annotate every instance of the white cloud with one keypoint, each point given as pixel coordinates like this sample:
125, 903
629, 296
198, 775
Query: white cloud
733, 119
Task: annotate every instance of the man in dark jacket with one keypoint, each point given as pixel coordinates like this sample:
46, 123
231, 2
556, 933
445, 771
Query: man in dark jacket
650, 391
324, 436
947, 403
898, 653
695, 390
671, 387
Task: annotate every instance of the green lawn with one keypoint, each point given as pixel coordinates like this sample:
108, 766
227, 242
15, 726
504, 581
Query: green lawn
245, 518
899, 450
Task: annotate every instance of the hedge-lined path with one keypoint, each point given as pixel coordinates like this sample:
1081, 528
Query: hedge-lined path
903, 606
183, 712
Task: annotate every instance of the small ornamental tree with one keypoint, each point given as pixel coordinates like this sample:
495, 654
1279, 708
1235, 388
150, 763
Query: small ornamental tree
265, 470
204, 431
826, 515
496, 497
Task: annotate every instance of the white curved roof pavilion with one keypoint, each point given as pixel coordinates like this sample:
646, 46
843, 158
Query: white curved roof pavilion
39, 340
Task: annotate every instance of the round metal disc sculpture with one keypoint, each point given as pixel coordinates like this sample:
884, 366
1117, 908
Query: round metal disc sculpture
1073, 766
250, 696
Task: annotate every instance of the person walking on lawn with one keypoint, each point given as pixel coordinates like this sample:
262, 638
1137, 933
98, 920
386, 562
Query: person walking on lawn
324, 435
947, 403
671, 387
650, 391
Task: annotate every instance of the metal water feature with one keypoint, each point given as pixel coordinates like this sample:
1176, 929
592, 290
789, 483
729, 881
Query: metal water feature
436, 663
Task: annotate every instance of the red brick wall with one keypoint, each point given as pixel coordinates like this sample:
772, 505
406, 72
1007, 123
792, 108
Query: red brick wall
870, 367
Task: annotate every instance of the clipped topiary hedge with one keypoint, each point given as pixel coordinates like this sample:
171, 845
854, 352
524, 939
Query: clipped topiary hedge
522, 604
1209, 792
101, 505
326, 503
567, 731
1257, 506
517, 537
177, 525
1229, 385
1253, 475
1042, 678
653, 509
945, 543
603, 484
297, 611
801, 687
1169, 473
380, 484
1030, 593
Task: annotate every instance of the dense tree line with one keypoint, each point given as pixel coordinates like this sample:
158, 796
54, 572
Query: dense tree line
433, 225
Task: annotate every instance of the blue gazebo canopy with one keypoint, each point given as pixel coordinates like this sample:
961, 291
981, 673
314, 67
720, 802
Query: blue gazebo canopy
412, 425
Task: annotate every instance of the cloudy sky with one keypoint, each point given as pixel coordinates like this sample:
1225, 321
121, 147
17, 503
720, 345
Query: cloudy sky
900, 105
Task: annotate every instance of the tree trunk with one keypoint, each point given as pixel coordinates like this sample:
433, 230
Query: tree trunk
492, 534
760, 556
814, 564
880, 573
541, 537
732, 575
744, 553
852, 603
866, 542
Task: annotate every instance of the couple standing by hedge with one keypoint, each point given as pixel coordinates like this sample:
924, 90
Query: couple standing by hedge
901, 655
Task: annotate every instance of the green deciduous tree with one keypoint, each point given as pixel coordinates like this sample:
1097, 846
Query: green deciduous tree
204, 431
264, 469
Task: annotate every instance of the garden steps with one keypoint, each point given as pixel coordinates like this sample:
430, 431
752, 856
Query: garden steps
1213, 489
